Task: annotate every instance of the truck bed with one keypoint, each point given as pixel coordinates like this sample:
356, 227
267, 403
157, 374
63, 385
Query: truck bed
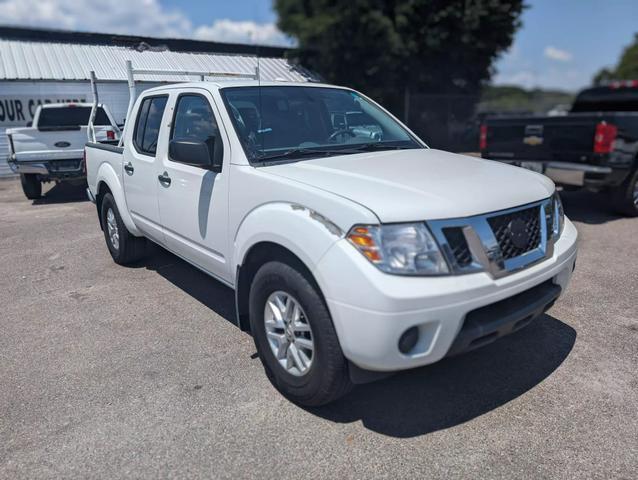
97, 154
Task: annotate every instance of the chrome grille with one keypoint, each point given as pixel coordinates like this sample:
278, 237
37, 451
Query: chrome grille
458, 246
501, 228
500, 242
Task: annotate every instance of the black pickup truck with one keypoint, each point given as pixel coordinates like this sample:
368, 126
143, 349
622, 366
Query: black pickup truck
595, 146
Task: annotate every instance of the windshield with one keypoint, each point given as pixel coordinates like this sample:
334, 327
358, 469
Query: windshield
301, 122
70, 117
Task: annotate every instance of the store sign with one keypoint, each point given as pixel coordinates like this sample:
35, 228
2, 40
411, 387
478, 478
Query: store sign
16, 111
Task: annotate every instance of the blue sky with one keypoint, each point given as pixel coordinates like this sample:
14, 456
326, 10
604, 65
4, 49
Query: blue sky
562, 44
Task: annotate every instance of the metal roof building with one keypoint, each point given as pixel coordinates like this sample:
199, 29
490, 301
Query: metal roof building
44, 66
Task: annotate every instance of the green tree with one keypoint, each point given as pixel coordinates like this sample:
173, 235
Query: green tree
387, 48
627, 68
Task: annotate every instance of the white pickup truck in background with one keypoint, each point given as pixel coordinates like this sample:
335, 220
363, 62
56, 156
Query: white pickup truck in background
353, 250
52, 148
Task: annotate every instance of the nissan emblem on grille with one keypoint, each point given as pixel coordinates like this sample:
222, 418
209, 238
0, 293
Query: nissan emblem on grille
518, 233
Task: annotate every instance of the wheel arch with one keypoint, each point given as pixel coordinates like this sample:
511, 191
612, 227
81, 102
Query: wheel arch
107, 179
301, 239
258, 255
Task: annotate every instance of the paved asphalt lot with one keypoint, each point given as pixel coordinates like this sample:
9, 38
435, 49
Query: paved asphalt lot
118, 372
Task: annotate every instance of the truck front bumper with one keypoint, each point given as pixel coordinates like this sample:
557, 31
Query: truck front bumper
371, 310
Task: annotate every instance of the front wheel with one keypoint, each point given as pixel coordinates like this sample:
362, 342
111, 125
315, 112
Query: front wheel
123, 247
625, 196
31, 186
294, 336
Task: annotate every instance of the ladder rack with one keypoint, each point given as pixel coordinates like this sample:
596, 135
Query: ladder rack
130, 76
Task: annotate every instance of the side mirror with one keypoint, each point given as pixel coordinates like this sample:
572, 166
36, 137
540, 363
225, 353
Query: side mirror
29, 124
191, 152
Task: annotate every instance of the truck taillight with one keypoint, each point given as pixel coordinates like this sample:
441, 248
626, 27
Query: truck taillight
604, 137
110, 135
483, 138
11, 148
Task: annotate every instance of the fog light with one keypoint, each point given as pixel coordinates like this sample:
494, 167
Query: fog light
408, 339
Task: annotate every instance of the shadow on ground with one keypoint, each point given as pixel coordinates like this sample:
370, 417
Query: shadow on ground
588, 207
62, 193
457, 389
206, 290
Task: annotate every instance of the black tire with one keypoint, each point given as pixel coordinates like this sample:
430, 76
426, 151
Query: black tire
327, 377
126, 248
31, 186
624, 197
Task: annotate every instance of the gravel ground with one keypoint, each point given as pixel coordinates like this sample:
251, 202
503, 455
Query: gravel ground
116, 372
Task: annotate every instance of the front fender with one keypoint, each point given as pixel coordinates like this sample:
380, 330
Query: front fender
303, 231
107, 175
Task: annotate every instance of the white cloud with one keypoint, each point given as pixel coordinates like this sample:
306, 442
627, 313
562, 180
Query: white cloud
133, 17
141, 17
557, 54
243, 32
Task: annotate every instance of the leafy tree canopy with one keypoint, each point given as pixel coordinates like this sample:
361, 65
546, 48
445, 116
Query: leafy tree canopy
385, 46
627, 68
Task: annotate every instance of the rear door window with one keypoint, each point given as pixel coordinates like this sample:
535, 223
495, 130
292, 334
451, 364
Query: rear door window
147, 126
70, 117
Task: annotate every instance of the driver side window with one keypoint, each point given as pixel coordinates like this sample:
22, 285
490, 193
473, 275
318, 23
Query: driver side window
194, 120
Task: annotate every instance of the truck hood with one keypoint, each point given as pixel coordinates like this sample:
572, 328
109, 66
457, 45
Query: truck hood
420, 184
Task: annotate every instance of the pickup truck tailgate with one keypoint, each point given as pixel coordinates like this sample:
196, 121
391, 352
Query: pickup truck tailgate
541, 138
33, 144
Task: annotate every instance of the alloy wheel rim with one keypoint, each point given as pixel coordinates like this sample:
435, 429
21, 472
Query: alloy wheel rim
289, 334
112, 230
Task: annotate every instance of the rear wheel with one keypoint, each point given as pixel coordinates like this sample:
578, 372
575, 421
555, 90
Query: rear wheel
31, 186
625, 196
123, 247
295, 338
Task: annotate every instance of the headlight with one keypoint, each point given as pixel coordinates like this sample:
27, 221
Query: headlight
559, 216
403, 249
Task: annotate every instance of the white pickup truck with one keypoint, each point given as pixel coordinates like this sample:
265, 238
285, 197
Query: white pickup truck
52, 148
352, 251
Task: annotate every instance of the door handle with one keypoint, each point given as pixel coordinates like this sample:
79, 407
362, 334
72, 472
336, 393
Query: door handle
128, 168
164, 179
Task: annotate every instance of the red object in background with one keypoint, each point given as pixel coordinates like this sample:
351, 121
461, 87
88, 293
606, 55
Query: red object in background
604, 137
110, 135
483, 138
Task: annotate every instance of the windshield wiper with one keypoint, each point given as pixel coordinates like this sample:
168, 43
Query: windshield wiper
363, 147
348, 149
301, 152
